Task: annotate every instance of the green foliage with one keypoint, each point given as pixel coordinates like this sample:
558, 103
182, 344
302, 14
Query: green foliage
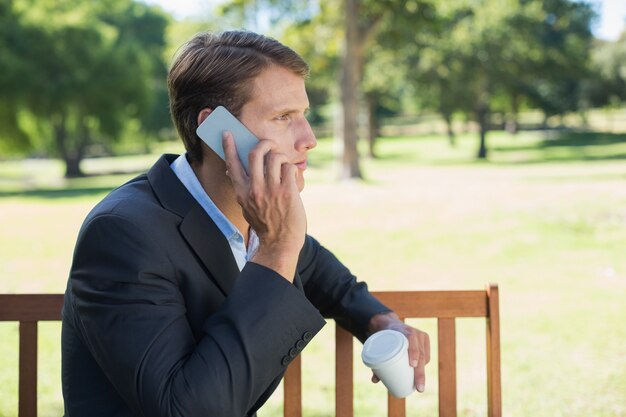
82, 69
472, 57
384, 26
531, 51
608, 85
318, 40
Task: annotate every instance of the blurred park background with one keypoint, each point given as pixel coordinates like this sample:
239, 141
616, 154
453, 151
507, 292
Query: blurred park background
478, 141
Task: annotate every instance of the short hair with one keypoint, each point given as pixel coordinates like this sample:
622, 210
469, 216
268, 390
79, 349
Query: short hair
218, 69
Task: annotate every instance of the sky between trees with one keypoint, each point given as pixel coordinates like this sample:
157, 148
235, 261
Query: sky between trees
611, 13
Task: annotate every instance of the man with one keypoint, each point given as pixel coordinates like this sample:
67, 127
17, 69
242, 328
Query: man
193, 286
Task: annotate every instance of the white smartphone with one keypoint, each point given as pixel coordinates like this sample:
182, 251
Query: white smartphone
214, 126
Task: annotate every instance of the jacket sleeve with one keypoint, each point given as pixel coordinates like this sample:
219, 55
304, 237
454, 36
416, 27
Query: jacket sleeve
335, 291
132, 317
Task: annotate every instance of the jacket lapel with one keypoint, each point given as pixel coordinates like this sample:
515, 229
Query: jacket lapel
297, 281
211, 246
196, 227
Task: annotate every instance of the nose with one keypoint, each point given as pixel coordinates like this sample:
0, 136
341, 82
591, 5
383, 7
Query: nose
306, 139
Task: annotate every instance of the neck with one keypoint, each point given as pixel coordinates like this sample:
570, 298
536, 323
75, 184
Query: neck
211, 172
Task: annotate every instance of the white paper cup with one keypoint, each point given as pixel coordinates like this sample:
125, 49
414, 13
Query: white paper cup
387, 354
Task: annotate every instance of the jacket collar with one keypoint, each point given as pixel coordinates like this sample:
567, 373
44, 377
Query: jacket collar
197, 228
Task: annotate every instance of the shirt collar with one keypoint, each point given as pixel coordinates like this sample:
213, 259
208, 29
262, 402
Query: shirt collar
187, 176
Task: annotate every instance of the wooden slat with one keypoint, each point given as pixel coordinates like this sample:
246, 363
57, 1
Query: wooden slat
494, 384
421, 304
446, 345
445, 305
396, 407
293, 389
30, 307
344, 390
28, 370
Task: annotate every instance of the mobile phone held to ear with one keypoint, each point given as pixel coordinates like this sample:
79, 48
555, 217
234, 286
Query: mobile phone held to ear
219, 121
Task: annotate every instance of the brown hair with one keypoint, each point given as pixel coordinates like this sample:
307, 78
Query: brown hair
217, 70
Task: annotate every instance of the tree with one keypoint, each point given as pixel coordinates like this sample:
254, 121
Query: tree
493, 55
557, 52
438, 71
84, 73
607, 85
358, 23
366, 24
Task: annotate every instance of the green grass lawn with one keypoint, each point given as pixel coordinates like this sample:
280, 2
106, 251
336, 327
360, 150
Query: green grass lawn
545, 218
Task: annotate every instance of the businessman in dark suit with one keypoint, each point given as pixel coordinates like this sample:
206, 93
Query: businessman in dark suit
194, 286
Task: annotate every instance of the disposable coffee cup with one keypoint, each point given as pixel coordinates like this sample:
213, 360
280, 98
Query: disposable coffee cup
387, 354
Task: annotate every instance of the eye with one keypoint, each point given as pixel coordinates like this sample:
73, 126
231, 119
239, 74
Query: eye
284, 116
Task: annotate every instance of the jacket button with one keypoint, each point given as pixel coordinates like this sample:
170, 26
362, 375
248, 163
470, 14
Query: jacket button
300, 344
307, 336
293, 353
286, 360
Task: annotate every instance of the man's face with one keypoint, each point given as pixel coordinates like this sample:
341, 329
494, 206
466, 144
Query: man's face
276, 111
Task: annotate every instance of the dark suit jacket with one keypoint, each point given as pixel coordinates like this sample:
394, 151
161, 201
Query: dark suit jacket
159, 321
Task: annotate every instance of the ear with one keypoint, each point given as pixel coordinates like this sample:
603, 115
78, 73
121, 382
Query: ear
204, 113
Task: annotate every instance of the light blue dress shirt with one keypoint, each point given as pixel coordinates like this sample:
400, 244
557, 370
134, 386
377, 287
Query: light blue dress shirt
185, 174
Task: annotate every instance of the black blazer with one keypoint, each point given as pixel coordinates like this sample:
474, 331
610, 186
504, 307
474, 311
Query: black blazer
159, 321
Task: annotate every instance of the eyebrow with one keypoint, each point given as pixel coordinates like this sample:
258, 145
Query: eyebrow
289, 110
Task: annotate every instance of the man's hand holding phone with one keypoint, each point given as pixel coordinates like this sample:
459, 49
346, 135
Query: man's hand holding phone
271, 203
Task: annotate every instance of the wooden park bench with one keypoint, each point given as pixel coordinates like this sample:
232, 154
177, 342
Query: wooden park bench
445, 306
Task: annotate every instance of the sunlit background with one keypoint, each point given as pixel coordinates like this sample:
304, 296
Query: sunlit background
490, 146
610, 24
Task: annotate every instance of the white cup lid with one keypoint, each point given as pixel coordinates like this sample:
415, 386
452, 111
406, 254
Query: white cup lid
382, 347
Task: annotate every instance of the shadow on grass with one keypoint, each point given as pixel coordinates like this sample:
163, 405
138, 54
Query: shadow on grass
571, 157
54, 193
571, 146
578, 139
88, 185
568, 139
557, 146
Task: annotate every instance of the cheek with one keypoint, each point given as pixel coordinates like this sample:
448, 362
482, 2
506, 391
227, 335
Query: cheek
283, 137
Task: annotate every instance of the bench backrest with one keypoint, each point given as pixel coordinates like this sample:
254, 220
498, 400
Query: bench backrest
28, 310
446, 306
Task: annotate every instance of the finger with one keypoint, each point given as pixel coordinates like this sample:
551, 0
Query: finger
256, 162
414, 349
289, 173
417, 358
426, 345
420, 375
424, 358
234, 168
273, 167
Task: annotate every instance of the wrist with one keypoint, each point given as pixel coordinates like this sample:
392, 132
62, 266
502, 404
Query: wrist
280, 248
282, 260
382, 321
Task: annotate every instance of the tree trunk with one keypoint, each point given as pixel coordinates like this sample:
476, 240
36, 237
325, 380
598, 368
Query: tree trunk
71, 156
372, 124
447, 117
72, 166
481, 116
83, 138
511, 124
350, 75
